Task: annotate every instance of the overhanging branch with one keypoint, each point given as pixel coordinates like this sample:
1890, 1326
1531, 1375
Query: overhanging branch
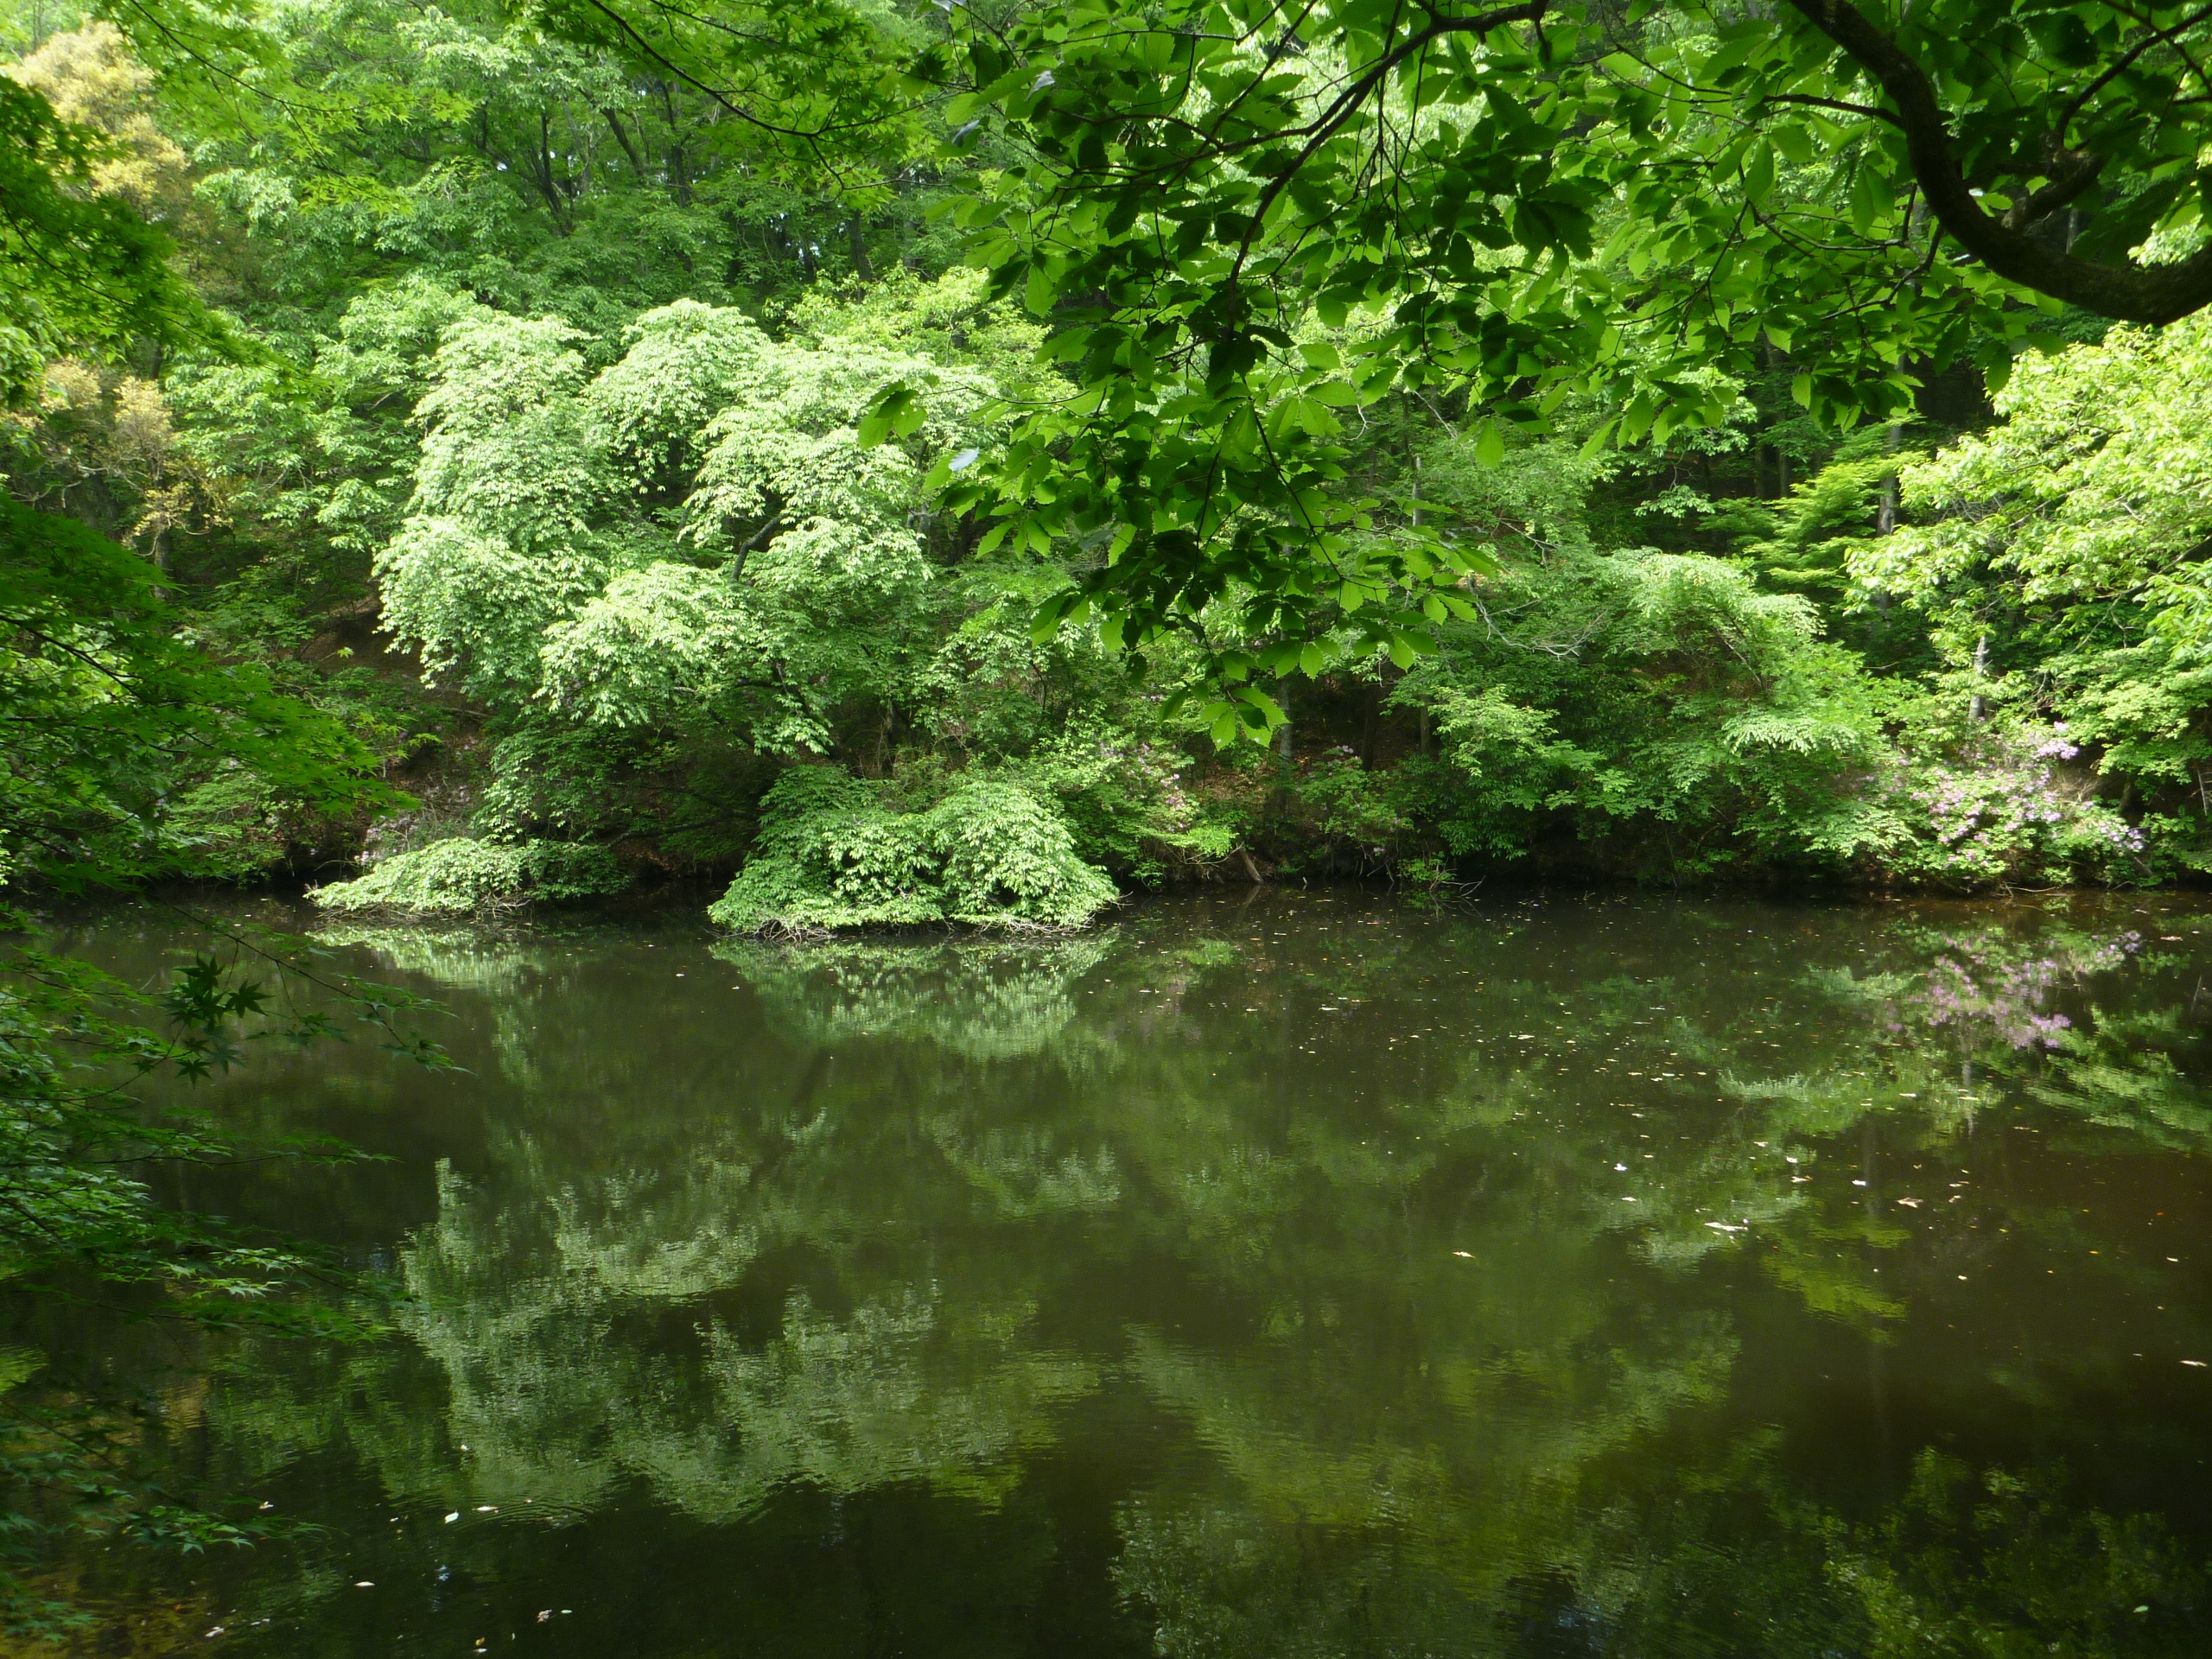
2129, 293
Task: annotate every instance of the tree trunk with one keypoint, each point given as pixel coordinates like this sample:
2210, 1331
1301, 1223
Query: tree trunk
1282, 736
1886, 516
622, 138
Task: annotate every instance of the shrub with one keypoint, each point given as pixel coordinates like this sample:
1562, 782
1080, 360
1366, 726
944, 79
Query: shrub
1123, 798
2002, 814
457, 877
831, 855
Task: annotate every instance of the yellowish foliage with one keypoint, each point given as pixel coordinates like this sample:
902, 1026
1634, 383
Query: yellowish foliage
91, 79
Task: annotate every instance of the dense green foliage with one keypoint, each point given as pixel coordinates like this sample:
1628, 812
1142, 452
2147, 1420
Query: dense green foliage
133, 756
468, 877
897, 458
990, 855
597, 424
1643, 207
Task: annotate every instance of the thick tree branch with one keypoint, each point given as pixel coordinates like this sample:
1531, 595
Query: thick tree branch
2155, 37
622, 138
2154, 294
2079, 174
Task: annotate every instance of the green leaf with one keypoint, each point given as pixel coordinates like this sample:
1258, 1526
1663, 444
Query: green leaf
1038, 293
895, 409
1758, 172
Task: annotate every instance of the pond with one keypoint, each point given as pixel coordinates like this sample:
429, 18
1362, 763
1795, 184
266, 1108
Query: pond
1274, 1273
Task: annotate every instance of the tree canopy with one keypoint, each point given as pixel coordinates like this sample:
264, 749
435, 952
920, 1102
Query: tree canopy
1642, 206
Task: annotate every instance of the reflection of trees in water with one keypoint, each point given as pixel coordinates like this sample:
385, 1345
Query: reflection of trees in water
518, 971
1023, 1172
482, 960
1717, 1558
1433, 1418
580, 1354
1980, 986
985, 1000
2129, 1071
895, 1390
2044, 1013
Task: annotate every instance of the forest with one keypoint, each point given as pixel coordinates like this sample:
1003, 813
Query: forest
853, 466
840, 468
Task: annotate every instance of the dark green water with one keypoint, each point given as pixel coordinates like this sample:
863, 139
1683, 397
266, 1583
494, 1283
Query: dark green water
1308, 1276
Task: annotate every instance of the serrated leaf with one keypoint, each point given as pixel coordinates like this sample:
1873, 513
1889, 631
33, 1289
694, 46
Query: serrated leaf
1040, 291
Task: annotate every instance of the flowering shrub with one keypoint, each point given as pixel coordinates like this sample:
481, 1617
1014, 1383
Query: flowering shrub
2005, 815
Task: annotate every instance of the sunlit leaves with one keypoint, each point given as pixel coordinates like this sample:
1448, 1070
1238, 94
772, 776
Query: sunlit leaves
1207, 184
80, 271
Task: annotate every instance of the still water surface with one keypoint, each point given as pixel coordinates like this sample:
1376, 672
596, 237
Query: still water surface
1297, 1275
